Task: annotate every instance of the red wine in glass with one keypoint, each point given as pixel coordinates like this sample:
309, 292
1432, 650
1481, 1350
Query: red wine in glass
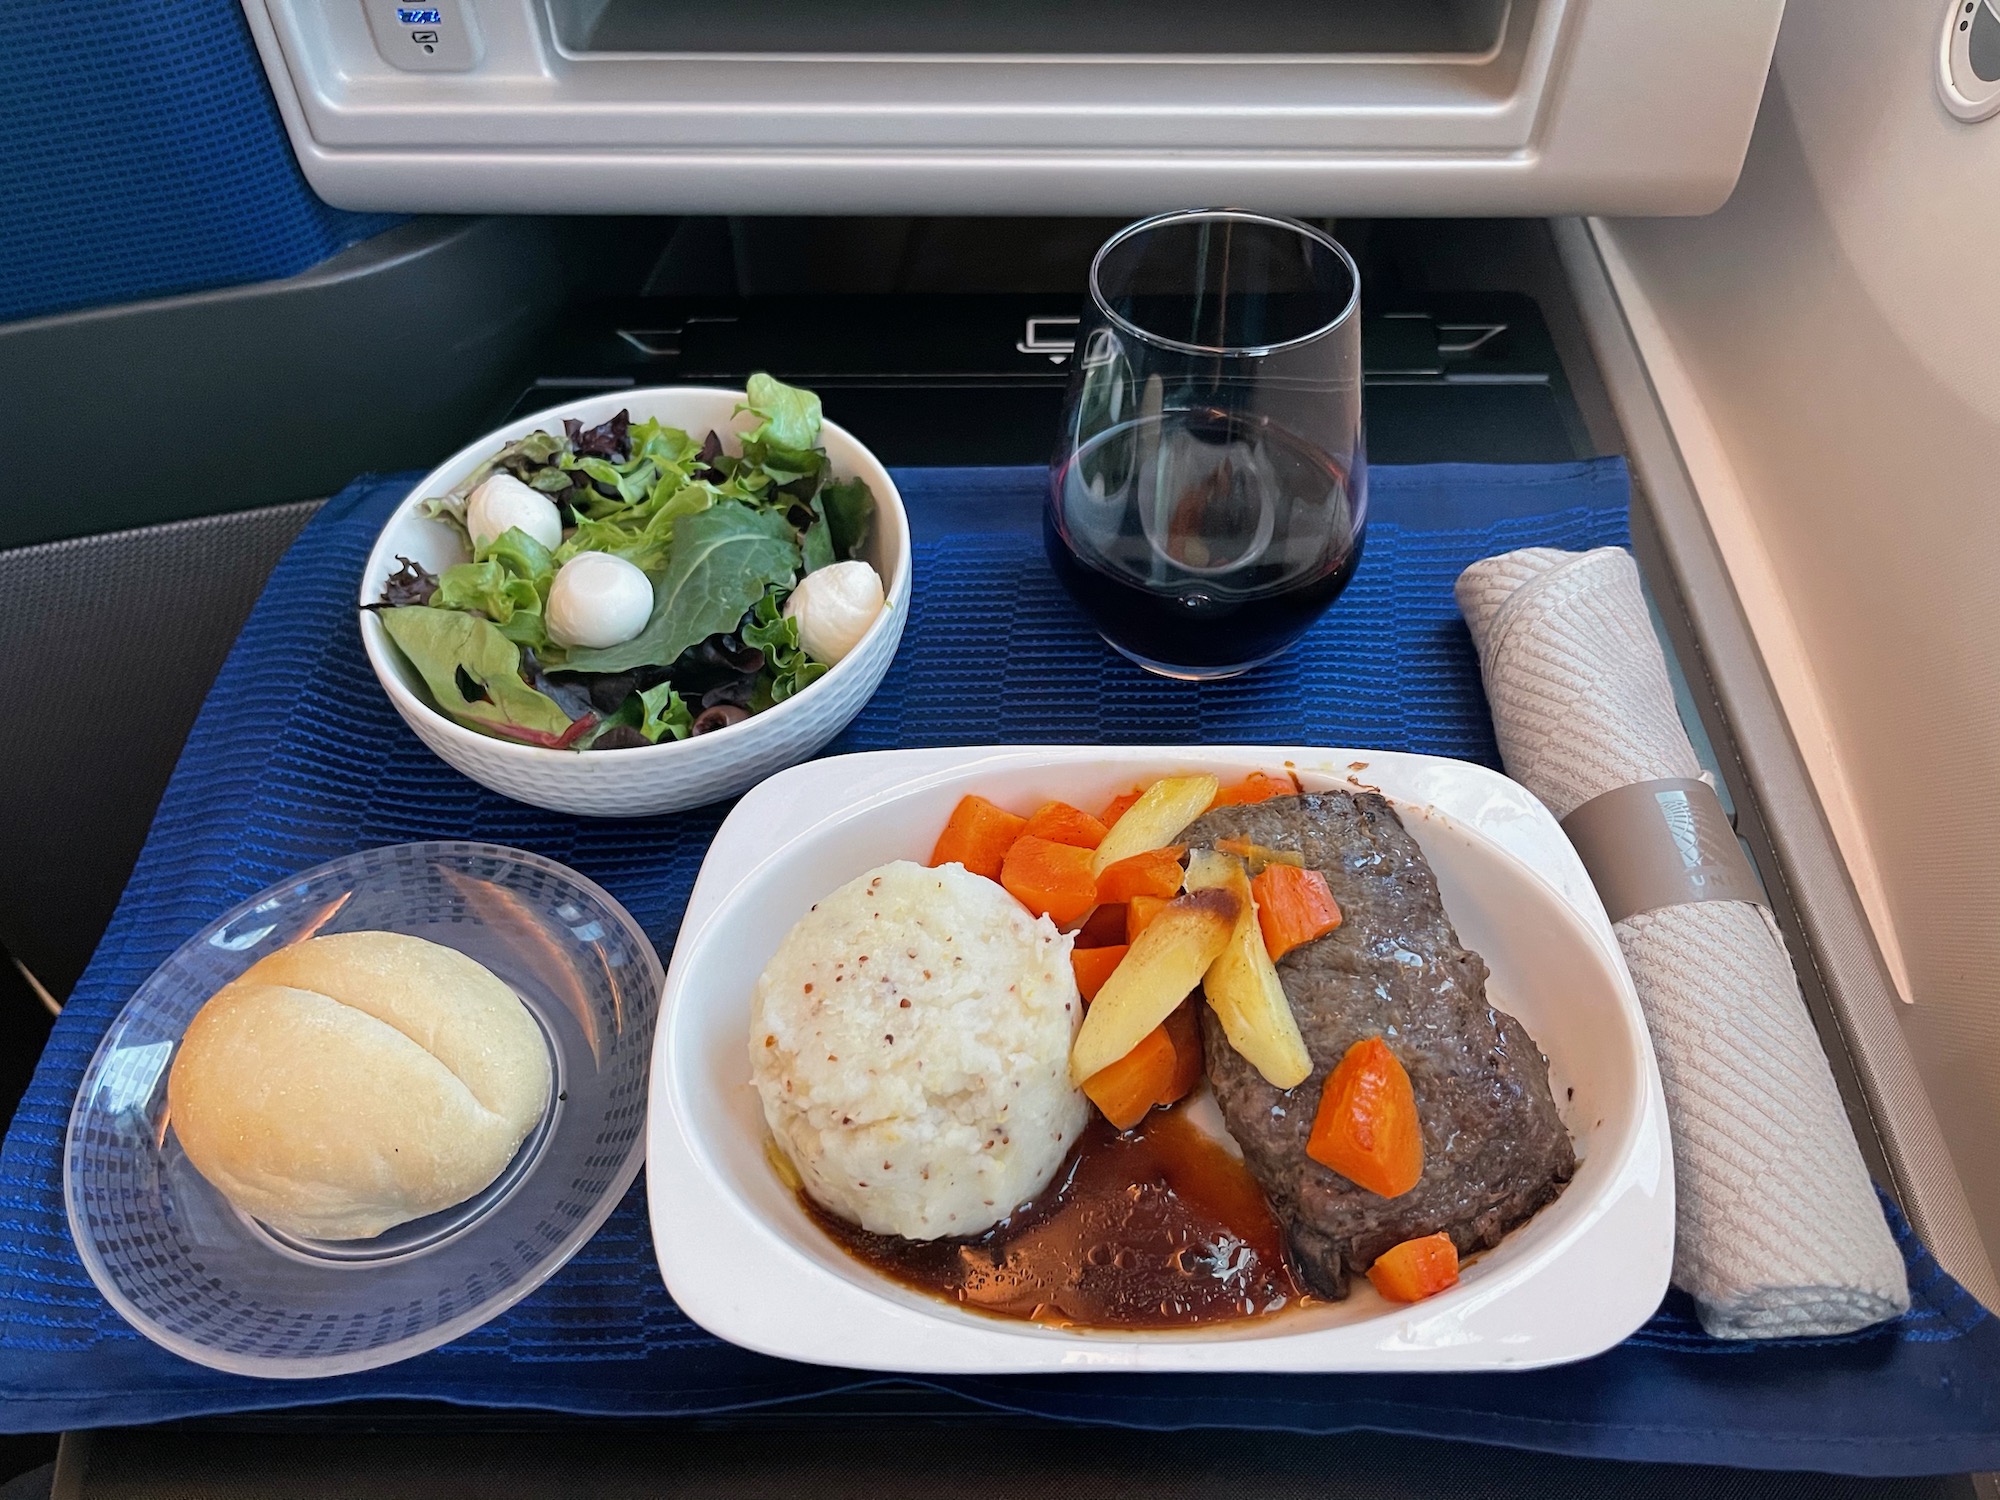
1208, 498
1257, 535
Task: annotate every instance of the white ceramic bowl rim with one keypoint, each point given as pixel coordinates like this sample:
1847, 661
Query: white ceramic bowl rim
454, 469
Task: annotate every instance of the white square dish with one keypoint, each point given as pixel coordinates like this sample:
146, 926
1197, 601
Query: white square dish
743, 1259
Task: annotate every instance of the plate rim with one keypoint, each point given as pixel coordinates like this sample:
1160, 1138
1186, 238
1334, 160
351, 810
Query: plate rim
314, 1366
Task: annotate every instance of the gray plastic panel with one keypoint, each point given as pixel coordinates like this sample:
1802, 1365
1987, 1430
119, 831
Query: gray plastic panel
388, 356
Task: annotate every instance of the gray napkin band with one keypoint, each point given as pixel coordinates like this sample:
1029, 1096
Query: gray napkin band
1661, 843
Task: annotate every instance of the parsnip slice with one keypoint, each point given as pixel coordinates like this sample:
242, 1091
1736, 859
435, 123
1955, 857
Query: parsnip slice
1163, 966
1156, 819
1242, 984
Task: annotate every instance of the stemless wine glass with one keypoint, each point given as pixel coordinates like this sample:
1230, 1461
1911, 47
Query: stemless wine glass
1209, 488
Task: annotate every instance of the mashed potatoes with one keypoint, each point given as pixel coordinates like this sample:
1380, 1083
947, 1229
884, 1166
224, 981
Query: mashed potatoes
910, 1040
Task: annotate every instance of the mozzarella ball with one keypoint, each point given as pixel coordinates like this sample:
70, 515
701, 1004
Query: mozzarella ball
502, 503
834, 607
598, 600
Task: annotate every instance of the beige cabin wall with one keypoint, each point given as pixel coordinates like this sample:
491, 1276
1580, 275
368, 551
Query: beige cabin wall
1838, 327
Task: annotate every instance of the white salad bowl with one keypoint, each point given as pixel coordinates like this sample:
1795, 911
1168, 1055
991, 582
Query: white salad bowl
744, 1260
671, 775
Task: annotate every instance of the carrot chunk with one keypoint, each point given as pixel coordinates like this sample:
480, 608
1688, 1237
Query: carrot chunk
1049, 878
1129, 1088
1184, 1031
1256, 787
1416, 1269
1060, 823
1139, 914
978, 837
1115, 809
1367, 1128
1103, 928
1093, 966
1294, 906
1156, 872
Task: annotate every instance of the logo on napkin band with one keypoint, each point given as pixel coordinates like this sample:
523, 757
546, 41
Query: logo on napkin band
1679, 818
1683, 826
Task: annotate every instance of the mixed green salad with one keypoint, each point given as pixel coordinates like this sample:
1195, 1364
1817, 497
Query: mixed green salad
629, 584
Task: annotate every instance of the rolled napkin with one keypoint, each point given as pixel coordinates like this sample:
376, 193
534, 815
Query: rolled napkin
1778, 1230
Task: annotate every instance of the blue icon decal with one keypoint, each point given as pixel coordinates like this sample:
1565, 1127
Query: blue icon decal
412, 16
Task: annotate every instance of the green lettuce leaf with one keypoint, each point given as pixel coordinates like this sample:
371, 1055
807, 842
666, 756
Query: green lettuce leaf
793, 474
850, 513
658, 713
663, 714
486, 588
596, 468
668, 447
688, 500
742, 479
643, 536
508, 583
522, 556
787, 668
816, 541
474, 673
721, 562
789, 416
633, 543
633, 481
532, 451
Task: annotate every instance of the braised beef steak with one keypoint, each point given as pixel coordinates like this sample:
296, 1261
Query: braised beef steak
1494, 1149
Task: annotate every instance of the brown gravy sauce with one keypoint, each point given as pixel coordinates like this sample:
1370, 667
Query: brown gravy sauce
1159, 1228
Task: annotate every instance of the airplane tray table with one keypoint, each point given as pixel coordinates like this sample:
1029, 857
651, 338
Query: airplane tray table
297, 758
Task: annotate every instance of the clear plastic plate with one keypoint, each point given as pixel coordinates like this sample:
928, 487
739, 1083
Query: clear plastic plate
214, 1285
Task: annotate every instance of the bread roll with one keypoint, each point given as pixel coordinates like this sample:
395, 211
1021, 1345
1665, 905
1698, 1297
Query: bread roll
353, 1082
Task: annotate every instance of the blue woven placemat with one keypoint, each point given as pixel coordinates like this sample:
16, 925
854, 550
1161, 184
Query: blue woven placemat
297, 758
